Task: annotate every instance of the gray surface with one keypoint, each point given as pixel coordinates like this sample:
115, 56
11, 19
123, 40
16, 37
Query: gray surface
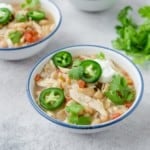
22, 128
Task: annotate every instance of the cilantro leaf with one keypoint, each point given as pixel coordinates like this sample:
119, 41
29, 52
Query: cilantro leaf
76, 73
84, 120
101, 56
145, 12
119, 92
76, 63
79, 120
30, 4
73, 118
15, 36
124, 17
74, 108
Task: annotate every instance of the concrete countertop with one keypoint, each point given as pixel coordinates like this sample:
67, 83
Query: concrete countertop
22, 128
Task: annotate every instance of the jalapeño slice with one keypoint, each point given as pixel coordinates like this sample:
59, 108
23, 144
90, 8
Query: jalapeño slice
91, 71
51, 98
36, 15
5, 16
62, 59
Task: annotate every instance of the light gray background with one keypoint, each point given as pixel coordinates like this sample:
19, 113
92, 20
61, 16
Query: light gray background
22, 128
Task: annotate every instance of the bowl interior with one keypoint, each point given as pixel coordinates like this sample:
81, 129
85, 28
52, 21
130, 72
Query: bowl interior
120, 59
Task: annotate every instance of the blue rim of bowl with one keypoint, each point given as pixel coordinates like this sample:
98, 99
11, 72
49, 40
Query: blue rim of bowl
41, 112
43, 39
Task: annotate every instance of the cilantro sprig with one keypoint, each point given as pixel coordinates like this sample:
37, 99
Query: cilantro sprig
74, 117
74, 108
30, 4
134, 38
101, 56
77, 71
15, 36
119, 92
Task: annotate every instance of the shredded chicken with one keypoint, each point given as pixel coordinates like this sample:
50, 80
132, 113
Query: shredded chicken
64, 70
48, 82
88, 101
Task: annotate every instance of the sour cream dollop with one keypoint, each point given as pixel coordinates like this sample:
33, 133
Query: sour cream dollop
8, 6
107, 71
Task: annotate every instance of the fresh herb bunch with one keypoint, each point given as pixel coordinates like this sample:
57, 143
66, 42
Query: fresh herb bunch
134, 38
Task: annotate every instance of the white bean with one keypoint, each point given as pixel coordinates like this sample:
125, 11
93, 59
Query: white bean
98, 95
87, 91
96, 121
44, 22
61, 115
89, 110
3, 43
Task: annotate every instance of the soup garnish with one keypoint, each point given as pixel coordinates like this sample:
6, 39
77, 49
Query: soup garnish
51, 98
62, 59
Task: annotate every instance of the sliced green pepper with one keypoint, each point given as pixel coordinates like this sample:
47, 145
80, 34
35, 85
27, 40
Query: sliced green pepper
5, 16
91, 71
51, 98
36, 15
62, 59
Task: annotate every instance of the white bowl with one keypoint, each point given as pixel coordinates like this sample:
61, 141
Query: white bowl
32, 49
92, 5
119, 58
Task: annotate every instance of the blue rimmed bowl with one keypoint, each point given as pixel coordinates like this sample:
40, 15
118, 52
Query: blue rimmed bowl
32, 49
119, 58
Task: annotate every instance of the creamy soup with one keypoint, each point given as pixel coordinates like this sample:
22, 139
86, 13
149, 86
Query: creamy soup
83, 90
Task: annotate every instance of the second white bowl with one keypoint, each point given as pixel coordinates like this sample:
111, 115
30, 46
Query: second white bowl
32, 49
93, 5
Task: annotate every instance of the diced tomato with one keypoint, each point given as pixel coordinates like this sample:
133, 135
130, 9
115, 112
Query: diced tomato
31, 36
38, 77
68, 98
81, 84
58, 71
128, 104
115, 115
